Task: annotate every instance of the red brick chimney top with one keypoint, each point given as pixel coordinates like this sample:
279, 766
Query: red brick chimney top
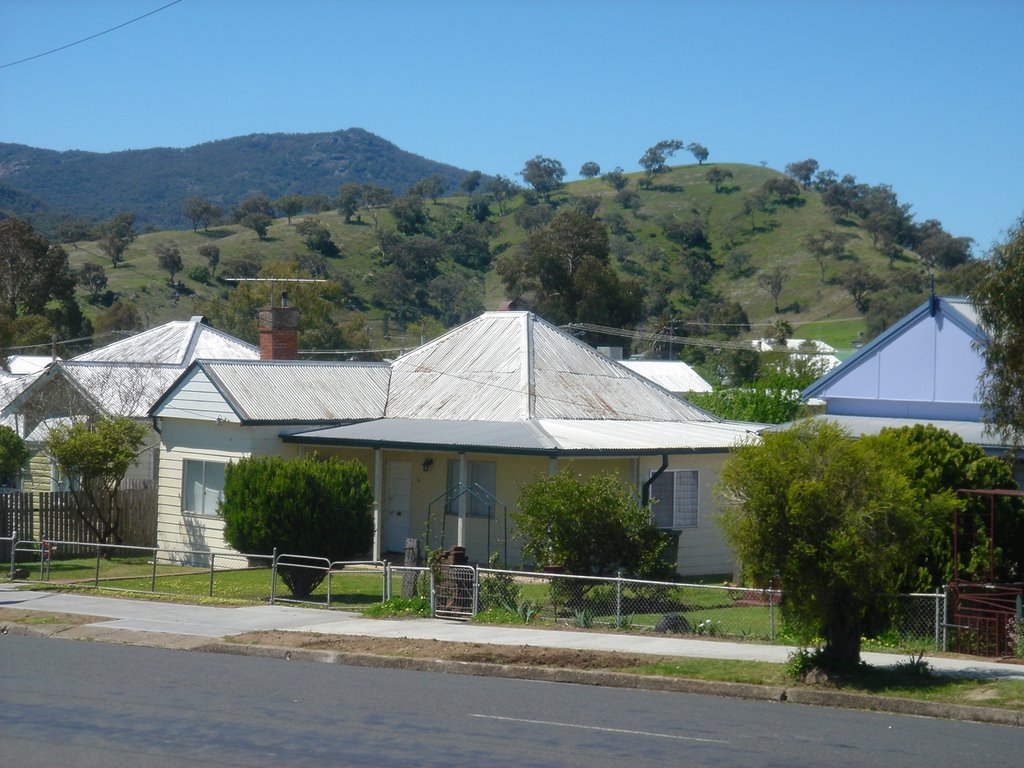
279, 333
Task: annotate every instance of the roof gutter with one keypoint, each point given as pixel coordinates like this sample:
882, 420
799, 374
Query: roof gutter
646, 494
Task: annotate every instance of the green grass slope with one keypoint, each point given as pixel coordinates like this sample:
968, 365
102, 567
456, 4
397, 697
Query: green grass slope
773, 237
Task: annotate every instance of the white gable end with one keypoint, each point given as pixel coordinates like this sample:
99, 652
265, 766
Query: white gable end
196, 397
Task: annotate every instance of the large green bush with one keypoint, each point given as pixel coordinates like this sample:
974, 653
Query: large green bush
301, 507
590, 526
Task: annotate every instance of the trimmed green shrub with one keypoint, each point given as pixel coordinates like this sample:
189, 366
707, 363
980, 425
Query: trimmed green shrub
300, 506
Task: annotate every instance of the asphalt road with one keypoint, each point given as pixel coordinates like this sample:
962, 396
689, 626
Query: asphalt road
80, 704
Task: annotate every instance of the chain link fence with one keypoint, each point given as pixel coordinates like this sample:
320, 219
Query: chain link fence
489, 594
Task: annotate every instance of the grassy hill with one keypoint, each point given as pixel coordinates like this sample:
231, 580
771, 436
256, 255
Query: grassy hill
773, 236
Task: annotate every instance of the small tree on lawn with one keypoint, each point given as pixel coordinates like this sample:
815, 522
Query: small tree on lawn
13, 454
590, 526
301, 507
96, 455
830, 519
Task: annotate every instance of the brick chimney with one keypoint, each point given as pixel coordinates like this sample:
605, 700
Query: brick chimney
279, 332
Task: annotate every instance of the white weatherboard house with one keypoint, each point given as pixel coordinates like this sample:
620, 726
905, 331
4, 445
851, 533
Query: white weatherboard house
121, 379
474, 415
925, 369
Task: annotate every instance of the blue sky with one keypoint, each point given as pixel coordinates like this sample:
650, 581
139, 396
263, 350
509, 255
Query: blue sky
925, 96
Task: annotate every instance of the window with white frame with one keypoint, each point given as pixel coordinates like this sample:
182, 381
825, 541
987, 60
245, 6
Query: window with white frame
479, 494
204, 486
674, 499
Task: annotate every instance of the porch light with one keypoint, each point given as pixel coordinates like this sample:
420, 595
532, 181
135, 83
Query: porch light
427, 463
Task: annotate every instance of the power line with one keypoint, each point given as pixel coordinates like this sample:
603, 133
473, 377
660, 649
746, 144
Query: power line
90, 37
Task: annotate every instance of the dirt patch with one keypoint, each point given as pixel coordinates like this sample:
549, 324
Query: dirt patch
449, 651
18, 616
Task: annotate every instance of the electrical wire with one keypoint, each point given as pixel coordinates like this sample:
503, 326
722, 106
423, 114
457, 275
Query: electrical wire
90, 37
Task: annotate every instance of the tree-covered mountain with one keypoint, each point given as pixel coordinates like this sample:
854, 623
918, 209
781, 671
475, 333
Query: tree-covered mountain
40, 184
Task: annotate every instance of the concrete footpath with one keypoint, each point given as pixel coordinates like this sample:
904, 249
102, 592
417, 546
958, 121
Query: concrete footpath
197, 627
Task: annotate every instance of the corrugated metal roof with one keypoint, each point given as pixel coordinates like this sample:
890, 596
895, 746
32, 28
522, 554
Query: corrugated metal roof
121, 389
541, 436
673, 375
178, 342
302, 391
512, 366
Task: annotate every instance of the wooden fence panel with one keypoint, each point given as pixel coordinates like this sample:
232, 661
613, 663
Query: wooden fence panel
16, 515
59, 519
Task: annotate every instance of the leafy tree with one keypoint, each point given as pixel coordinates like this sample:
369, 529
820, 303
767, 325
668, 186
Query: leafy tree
591, 526
699, 151
785, 190
544, 174
93, 278
258, 223
350, 197
211, 253
565, 265
13, 455
941, 249
409, 214
717, 176
317, 237
531, 217
616, 179
469, 245
998, 302
938, 463
860, 282
628, 199
259, 204
123, 315
114, 236
655, 159
317, 203
168, 256
773, 281
244, 265
32, 271
432, 187
290, 205
470, 182
195, 209
502, 189
375, 198
416, 257
590, 169
827, 245
96, 454
311, 506
737, 262
828, 519
803, 171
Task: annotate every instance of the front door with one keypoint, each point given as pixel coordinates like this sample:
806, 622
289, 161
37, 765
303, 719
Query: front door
399, 489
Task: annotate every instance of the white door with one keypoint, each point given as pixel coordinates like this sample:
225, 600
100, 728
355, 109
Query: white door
398, 479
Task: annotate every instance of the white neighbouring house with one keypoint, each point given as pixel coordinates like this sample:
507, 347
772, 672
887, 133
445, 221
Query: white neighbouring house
120, 379
476, 413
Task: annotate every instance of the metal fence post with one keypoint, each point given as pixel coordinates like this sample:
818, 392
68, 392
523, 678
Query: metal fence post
771, 611
330, 570
618, 599
153, 586
938, 619
14, 547
386, 586
273, 577
476, 589
213, 557
97, 582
